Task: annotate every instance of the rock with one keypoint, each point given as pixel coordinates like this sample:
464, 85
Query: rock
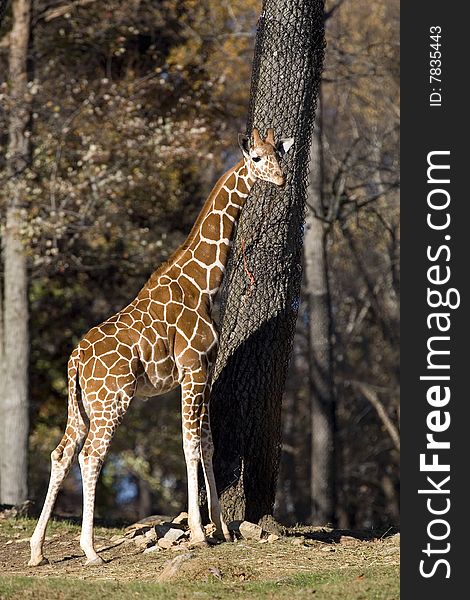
272, 537
247, 530
151, 534
171, 567
149, 521
181, 519
162, 529
164, 543
142, 542
250, 531
133, 533
173, 534
150, 549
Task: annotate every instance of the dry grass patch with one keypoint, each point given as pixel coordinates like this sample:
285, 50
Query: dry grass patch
309, 561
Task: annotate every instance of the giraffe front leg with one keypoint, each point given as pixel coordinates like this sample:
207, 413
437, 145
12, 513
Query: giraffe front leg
192, 399
192, 457
91, 459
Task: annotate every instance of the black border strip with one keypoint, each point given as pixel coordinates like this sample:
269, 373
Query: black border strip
425, 129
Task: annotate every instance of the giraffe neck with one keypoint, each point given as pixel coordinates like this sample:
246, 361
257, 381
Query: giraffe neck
206, 249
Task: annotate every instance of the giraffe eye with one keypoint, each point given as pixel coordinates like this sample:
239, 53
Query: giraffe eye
256, 158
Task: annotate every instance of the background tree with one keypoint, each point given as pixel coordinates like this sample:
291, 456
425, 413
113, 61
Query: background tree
359, 225
14, 313
321, 387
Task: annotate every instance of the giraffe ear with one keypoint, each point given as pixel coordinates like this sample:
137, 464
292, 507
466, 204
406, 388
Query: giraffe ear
244, 143
283, 146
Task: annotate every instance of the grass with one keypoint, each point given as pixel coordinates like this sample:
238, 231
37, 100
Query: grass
290, 568
373, 583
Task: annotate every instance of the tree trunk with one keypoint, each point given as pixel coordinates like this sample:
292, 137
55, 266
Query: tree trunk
258, 318
322, 400
14, 390
145, 499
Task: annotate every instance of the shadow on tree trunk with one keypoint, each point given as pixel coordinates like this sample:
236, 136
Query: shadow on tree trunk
246, 421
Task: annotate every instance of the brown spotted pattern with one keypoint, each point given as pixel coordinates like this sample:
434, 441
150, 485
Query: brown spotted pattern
164, 338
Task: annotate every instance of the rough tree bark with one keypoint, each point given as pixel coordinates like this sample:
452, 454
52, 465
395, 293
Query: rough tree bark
322, 400
15, 342
262, 285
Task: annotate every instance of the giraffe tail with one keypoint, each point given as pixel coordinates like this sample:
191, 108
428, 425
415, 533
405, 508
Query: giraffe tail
77, 420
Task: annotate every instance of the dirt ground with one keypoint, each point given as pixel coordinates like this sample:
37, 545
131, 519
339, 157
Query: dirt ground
302, 553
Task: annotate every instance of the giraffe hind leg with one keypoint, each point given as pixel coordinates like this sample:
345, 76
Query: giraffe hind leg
61, 461
61, 458
207, 452
91, 459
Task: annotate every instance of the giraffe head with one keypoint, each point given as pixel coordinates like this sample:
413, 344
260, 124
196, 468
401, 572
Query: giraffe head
262, 157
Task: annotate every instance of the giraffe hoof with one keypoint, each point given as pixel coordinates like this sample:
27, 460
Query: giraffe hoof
198, 544
222, 535
94, 562
213, 540
38, 562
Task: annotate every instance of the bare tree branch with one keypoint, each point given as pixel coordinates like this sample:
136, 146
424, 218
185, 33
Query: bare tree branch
330, 12
371, 395
49, 14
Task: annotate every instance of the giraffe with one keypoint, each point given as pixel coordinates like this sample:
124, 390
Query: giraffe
164, 338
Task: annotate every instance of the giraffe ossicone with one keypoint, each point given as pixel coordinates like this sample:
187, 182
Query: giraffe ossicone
164, 338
